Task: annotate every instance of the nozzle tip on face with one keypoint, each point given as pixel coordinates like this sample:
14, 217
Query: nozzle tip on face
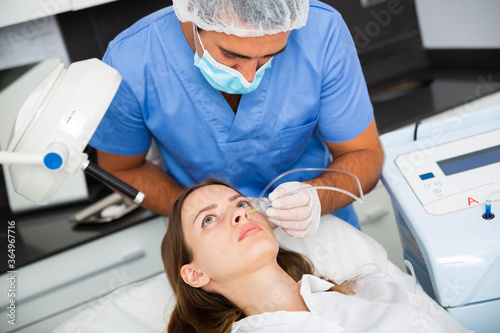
254, 210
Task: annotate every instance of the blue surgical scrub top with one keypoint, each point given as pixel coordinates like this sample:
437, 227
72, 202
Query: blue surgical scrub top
314, 91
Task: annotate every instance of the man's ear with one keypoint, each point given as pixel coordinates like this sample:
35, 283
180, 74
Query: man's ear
194, 277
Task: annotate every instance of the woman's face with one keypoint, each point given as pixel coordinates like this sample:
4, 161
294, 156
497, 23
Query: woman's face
226, 241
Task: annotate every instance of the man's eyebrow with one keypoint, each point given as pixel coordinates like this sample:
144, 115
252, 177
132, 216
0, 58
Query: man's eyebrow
204, 210
237, 55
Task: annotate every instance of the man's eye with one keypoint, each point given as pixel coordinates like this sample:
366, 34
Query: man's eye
243, 204
207, 220
228, 56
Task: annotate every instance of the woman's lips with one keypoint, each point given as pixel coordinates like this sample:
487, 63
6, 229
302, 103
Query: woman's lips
248, 230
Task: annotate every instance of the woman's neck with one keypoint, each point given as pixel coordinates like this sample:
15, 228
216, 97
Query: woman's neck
268, 290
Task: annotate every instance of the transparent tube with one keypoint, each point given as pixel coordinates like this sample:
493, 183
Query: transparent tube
492, 193
263, 204
412, 271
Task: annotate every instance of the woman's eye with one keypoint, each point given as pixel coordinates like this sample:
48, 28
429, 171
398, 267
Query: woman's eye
243, 204
207, 220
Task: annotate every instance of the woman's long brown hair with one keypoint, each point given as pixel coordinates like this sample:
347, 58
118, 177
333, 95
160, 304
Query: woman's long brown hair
197, 310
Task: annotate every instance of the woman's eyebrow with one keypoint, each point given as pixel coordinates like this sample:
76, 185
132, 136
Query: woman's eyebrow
234, 197
204, 210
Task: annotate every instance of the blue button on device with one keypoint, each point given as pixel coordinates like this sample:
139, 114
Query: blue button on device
53, 161
427, 176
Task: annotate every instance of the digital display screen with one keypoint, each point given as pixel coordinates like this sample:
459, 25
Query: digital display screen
470, 161
427, 176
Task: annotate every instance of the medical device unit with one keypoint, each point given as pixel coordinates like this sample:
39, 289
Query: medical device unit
445, 189
54, 126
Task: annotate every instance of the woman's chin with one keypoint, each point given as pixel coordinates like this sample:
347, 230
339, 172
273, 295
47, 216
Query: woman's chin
259, 251
253, 256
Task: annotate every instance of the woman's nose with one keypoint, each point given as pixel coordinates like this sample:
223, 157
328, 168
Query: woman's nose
239, 215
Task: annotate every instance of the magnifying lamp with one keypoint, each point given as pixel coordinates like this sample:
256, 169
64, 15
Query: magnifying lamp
54, 126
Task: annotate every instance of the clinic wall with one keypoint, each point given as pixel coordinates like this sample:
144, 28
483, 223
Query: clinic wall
393, 37
87, 32
460, 33
386, 32
459, 24
387, 37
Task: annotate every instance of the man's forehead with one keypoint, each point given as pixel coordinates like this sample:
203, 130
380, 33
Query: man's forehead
267, 43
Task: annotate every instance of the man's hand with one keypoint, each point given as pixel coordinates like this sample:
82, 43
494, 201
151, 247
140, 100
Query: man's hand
298, 214
159, 188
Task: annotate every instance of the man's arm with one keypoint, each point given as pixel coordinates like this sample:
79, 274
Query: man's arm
362, 156
159, 188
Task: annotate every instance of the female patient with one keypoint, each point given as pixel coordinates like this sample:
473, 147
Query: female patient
228, 273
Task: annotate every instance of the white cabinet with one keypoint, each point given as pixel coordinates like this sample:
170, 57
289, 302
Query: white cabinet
15, 11
54, 289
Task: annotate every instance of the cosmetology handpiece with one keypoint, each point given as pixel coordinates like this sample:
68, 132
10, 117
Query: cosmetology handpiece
264, 204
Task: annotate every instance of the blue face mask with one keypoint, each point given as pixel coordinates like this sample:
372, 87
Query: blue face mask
225, 78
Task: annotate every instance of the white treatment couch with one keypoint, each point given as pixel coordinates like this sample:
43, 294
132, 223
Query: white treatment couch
337, 250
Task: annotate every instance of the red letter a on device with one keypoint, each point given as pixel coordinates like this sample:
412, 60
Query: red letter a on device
472, 200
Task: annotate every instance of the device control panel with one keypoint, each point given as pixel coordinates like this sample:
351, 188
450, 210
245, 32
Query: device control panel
456, 175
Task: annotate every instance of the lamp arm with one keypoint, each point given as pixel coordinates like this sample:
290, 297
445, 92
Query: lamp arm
20, 158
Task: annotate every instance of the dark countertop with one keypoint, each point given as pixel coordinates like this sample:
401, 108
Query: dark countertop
45, 233
433, 91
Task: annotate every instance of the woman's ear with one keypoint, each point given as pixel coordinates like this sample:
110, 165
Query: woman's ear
193, 277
